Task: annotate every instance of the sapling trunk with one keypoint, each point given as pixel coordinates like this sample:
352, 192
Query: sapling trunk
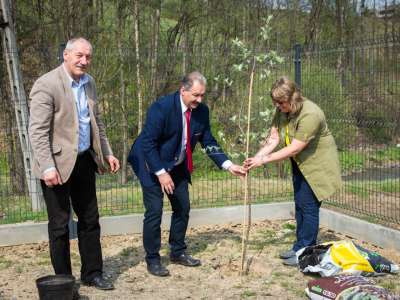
247, 202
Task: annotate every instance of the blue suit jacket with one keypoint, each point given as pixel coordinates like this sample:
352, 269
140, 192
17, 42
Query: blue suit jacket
159, 144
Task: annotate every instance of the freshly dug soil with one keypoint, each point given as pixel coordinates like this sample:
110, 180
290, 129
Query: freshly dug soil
218, 247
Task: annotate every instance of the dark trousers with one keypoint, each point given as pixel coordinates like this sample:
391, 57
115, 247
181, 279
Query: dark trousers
153, 202
81, 189
306, 211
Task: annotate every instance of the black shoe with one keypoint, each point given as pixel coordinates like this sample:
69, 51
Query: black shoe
185, 260
75, 295
99, 282
157, 269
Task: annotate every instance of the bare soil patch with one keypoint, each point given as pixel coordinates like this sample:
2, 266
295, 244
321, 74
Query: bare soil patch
217, 278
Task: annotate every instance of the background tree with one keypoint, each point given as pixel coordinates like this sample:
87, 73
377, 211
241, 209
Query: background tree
142, 49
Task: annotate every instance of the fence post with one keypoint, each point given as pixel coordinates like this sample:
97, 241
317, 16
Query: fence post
297, 64
72, 225
20, 102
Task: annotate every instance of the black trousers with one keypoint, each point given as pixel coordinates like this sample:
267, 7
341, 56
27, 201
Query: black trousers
81, 189
153, 202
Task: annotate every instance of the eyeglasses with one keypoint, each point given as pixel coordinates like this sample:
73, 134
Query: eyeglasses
198, 95
277, 102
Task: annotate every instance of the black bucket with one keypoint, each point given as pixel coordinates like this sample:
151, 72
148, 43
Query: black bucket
56, 287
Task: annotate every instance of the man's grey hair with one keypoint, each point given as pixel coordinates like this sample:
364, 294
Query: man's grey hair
71, 43
189, 79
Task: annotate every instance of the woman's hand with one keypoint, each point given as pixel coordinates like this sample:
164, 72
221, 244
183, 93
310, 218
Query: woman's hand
253, 162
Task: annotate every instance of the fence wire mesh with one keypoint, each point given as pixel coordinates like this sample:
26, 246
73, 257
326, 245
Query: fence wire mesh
357, 86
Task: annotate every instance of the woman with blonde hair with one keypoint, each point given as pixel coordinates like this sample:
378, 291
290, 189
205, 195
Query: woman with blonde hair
301, 126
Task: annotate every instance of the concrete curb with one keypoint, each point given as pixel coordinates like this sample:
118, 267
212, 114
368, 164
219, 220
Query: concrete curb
203, 216
31, 232
376, 234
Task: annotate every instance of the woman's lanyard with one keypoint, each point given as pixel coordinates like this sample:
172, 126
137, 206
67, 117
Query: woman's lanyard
287, 140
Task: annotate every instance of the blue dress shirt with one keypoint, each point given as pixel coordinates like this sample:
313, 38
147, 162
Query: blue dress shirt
78, 89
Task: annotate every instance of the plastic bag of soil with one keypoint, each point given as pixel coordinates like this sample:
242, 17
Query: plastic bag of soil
347, 287
334, 258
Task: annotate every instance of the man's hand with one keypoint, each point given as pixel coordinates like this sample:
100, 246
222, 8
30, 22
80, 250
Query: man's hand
166, 182
113, 162
52, 178
237, 170
253, 162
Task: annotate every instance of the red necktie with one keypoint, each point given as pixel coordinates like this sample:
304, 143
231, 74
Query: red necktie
188, 148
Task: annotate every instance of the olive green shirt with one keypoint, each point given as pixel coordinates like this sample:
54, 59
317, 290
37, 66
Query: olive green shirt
318, 161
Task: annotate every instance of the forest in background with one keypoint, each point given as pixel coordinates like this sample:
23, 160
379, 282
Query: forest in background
142, 49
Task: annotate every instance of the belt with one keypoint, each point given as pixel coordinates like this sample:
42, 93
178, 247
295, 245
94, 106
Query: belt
83, 152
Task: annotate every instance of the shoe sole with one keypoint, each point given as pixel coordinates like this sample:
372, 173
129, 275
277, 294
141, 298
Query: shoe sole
290, 264
99, 288
286, 257
159, 275
186, 265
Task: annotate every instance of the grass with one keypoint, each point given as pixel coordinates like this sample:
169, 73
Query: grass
391, 285
43, 259
19, 269
44, 262
126, 199
387, 186
4, 263
126, 252
278, 274
269, 237
357, 190
364, 189
289, 226
391, 153
248, 293
213, 188
353, 160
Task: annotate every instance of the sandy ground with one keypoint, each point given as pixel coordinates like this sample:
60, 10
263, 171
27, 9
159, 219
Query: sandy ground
218, 247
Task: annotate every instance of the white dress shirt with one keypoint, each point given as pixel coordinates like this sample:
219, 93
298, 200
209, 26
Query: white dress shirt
226, 165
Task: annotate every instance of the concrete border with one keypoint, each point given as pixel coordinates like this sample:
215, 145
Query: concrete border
31, 232
376, 234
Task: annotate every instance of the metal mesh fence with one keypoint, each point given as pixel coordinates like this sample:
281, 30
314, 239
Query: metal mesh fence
357, 86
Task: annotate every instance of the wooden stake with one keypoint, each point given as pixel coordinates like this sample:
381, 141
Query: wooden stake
247, 203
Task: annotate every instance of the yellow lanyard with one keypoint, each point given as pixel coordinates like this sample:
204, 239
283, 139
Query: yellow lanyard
287, 140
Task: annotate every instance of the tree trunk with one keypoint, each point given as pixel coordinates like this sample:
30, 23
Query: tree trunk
339, 22
292, 11
154, 59
312, 25
44, 54
137, 53
123, 105
339, 39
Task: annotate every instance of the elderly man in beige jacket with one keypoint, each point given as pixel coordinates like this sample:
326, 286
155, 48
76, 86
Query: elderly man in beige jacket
69, 144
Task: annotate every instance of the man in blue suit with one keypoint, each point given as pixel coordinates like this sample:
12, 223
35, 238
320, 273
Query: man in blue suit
161, 157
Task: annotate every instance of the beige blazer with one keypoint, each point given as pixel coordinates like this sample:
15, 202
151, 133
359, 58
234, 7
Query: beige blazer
54, 127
